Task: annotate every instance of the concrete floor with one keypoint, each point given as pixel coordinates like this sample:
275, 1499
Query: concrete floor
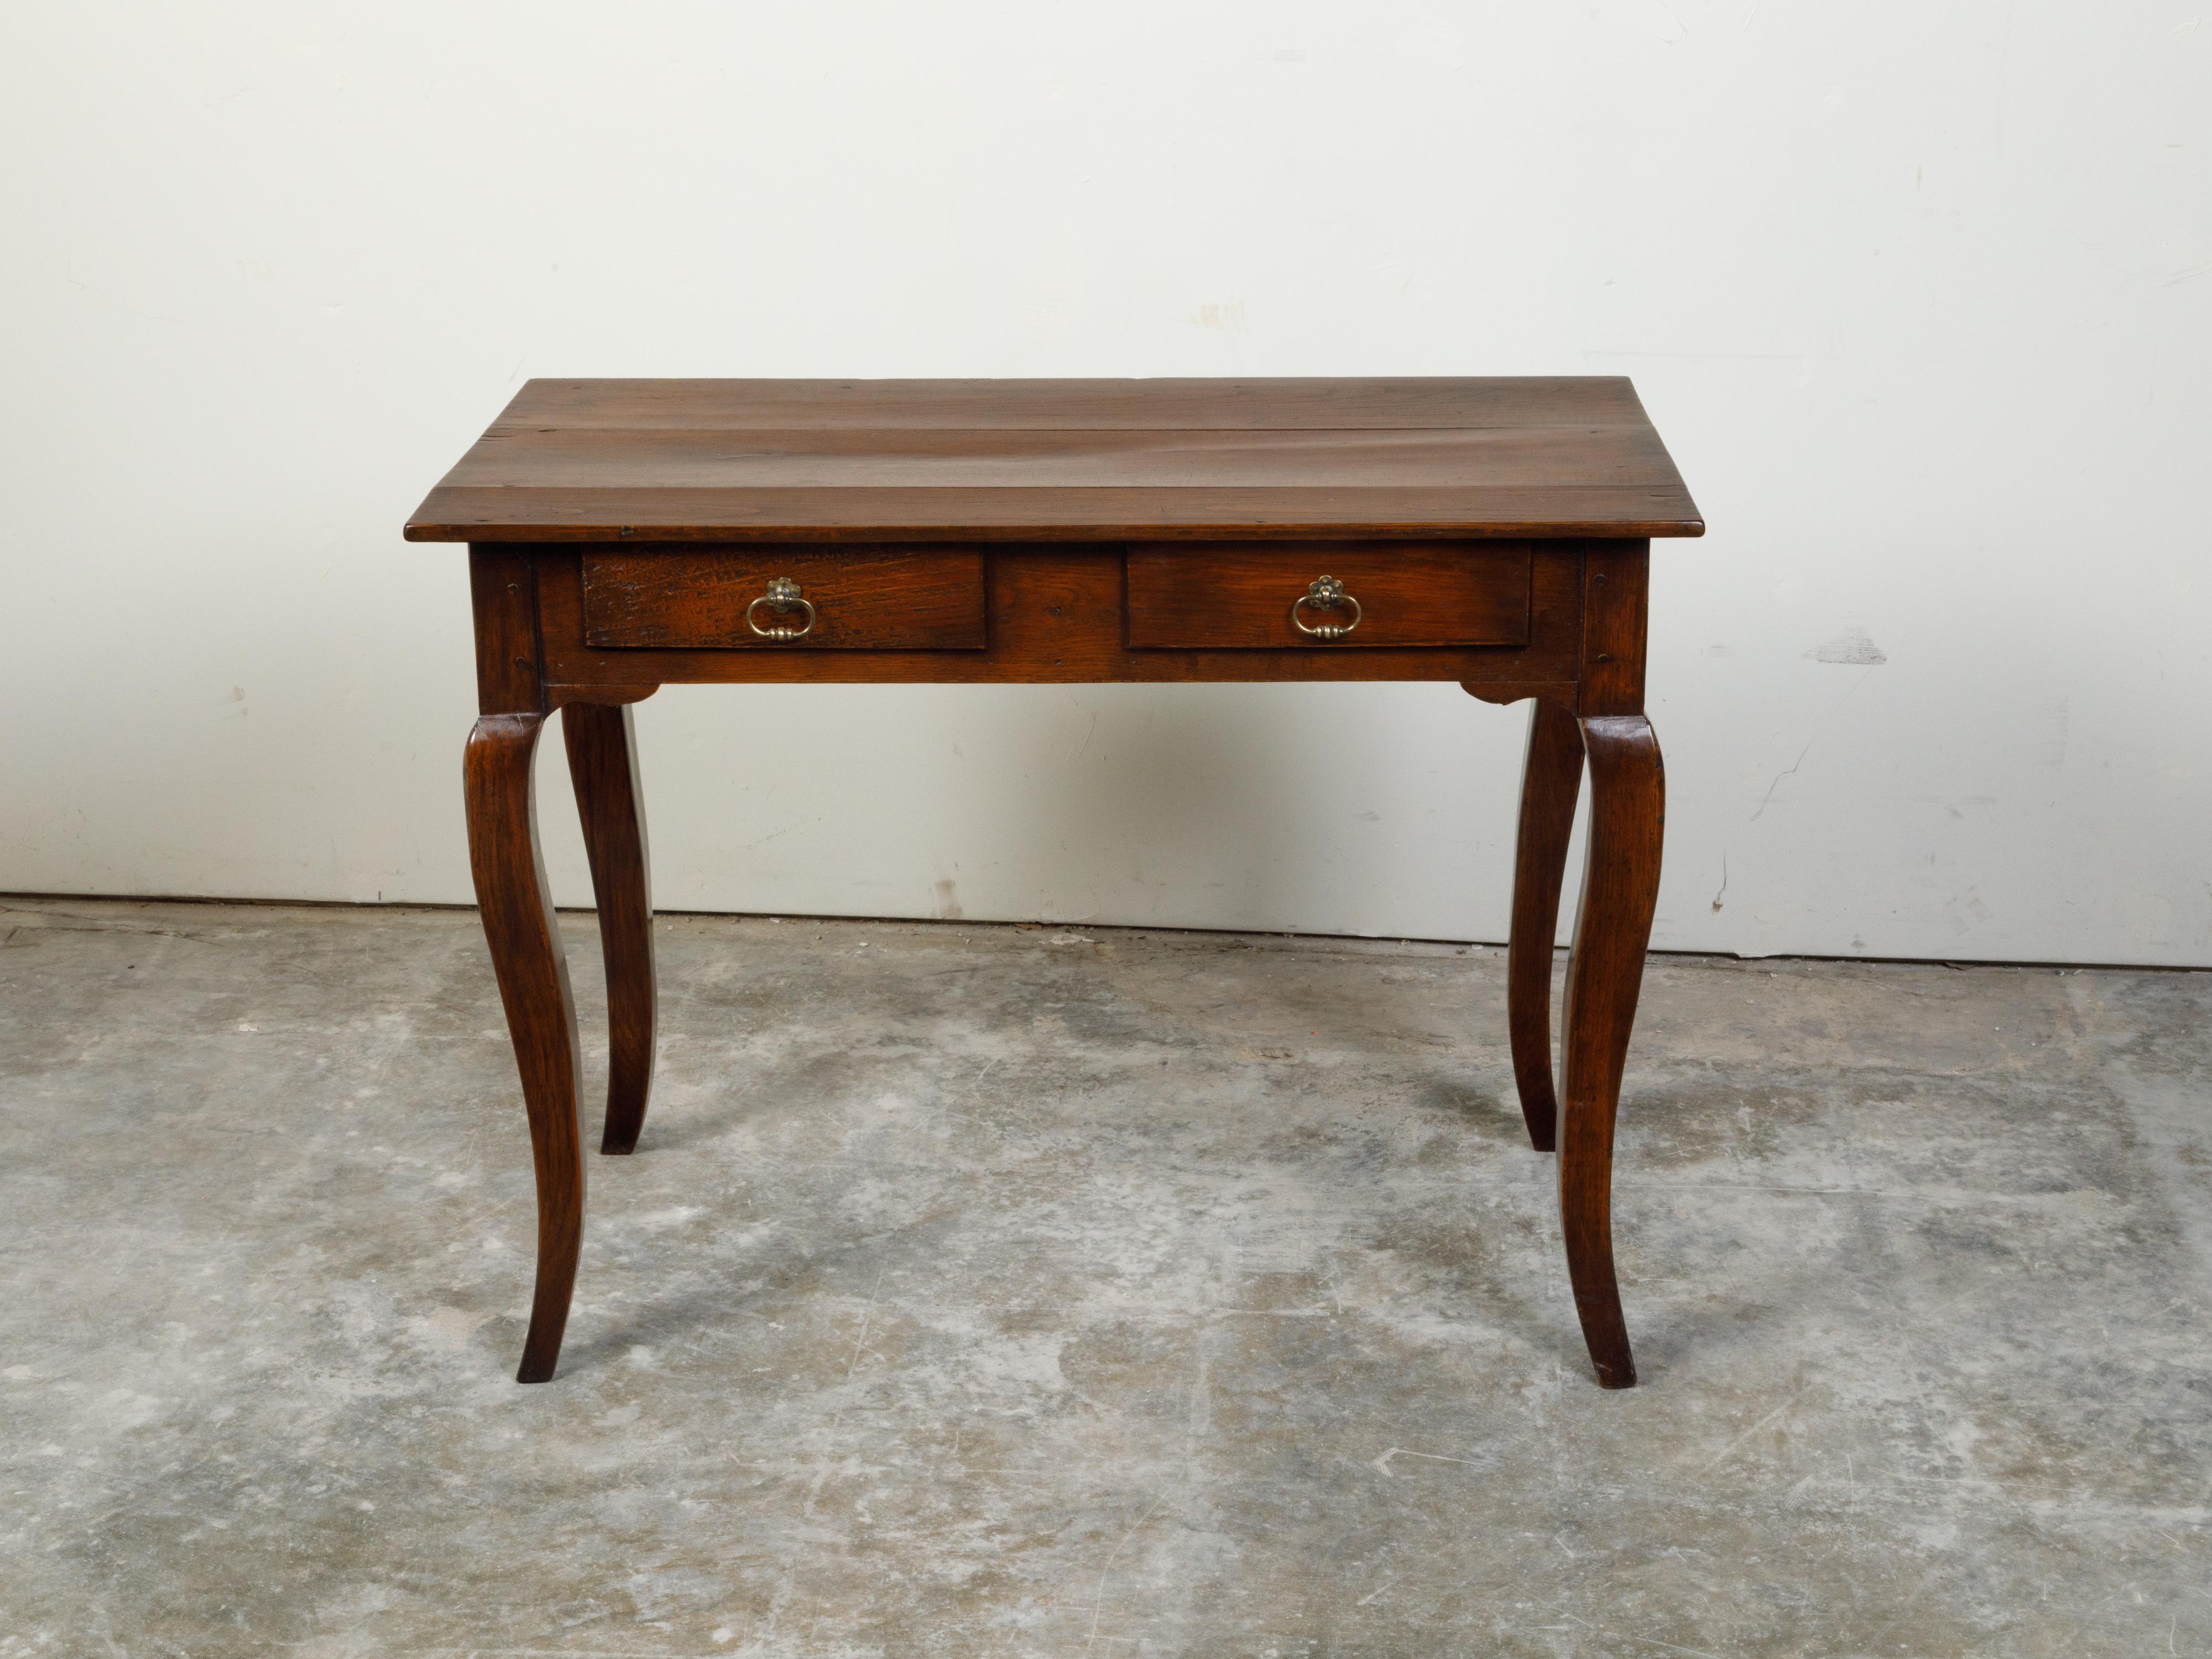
993, 1290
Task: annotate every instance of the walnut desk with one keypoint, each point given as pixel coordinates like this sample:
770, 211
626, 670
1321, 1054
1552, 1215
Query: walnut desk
1492, 533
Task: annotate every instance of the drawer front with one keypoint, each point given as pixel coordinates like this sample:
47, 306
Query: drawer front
1233, 596
847, 599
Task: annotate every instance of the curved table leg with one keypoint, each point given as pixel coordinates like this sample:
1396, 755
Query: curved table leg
1613, 926
1549, 785
603, 763
541, 1014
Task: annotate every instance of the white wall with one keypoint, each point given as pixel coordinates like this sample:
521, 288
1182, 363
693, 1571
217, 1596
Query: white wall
1920, 296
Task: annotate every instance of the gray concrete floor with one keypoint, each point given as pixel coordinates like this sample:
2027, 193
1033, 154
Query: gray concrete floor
995, 1290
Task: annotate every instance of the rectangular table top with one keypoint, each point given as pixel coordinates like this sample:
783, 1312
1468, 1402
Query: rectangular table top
1061, 461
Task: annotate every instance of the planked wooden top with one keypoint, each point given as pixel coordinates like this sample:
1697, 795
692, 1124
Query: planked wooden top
1061, 461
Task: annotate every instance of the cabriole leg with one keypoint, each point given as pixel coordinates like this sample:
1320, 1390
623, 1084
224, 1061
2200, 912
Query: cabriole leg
1549, 784
603, 762
1612, 927
541, 1014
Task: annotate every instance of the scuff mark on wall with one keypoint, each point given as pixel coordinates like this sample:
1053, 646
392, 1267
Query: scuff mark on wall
2057, 719
1854, 645
1767, 799
1966, 915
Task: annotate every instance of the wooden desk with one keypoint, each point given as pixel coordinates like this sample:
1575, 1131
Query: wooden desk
626, 534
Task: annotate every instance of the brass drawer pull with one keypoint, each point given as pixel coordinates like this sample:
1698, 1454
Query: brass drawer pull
783, 597
1327, 593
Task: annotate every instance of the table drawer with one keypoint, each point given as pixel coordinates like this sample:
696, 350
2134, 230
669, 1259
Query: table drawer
1214, 596
849, 598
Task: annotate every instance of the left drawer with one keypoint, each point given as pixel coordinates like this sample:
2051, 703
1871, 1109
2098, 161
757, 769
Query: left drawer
783, 599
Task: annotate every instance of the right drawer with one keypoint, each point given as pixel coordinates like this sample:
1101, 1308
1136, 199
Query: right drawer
1217, 596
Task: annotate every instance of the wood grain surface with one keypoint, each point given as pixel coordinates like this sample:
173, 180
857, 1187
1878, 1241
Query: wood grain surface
1199, 404
1060, 460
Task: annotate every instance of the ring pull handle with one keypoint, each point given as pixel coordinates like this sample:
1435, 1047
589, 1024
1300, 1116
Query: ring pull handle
783, 597
1327, 593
